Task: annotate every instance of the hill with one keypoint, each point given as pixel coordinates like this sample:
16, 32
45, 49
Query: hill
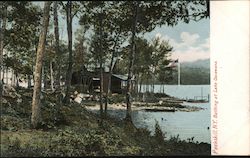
193, 73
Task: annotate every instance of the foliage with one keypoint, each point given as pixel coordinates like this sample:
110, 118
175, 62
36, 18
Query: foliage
119, 98
159, 135
80, 134
21, 35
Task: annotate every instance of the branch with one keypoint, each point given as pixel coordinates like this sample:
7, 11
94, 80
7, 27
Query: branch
74, 14
63, 5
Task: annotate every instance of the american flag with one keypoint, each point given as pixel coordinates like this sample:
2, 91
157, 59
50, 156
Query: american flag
173, 63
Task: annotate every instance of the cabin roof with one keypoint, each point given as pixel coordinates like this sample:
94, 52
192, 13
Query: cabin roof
122, 77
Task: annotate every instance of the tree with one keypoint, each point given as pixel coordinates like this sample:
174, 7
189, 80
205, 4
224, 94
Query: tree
50, 56
131, 63
57, 50
3, 22
96, 16
68, 10
21, 36
80, 57
69, 17
36, 107
160, 59
97, 49
147, 15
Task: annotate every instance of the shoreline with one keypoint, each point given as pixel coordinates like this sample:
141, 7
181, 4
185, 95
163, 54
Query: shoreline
144, 106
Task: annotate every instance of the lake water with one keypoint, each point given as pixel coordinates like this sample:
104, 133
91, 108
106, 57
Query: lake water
184, 124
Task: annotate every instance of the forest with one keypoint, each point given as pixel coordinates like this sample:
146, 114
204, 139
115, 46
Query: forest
43, 119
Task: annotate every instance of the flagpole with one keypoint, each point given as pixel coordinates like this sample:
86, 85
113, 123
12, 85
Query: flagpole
179, 73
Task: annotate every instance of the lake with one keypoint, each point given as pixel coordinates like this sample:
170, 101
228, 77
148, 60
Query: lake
184, 124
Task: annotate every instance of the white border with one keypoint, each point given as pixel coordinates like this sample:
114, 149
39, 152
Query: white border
229, 45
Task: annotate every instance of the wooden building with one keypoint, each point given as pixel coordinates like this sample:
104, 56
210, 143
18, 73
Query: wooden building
91, 79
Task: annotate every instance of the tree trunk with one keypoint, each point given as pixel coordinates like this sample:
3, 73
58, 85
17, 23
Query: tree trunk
7, 75
163, 88
3, 72
36, 108
51, 76
153, 87
12, 78
106, 106
70, 60
101, 70
29, 81
131, 65
57, 50
111, 67
101, 89
147, 86
45, 81
17, 80
4, 20
42, 78
140, 85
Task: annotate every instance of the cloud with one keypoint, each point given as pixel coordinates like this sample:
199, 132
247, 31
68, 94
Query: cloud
206, 44
191, 54
189, 48
189, 39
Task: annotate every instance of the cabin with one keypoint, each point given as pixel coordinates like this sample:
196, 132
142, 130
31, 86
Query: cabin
91, 79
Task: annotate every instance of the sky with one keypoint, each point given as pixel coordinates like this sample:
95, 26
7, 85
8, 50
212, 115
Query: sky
190, 41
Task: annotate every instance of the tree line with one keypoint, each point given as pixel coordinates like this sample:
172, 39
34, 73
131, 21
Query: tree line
110, 37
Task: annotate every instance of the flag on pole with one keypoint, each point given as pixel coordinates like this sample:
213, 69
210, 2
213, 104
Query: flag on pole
173, 63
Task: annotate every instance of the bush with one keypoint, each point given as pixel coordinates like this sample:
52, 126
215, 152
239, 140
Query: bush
117, 99
160, 95
159, 135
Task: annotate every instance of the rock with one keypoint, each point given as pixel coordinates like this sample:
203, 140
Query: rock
78, 100
19, 100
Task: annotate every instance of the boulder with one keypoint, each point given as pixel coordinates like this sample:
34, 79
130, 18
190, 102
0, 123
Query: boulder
78, 100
